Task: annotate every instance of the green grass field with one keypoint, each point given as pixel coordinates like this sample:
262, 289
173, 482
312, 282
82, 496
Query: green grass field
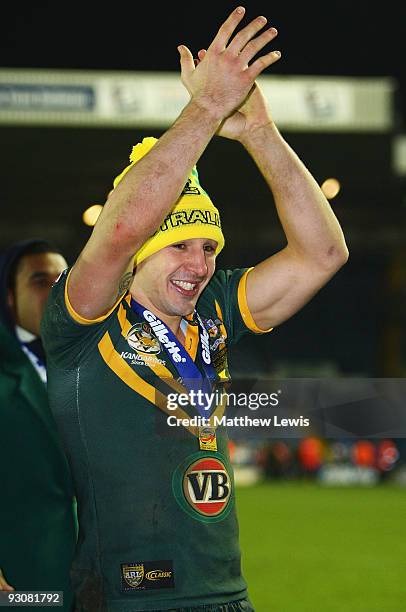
310, 548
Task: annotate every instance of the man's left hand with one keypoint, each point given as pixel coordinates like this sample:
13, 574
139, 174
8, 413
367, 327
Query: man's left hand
254, 113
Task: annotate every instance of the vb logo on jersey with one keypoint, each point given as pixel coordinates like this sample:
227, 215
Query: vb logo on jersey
202, 486
141, 339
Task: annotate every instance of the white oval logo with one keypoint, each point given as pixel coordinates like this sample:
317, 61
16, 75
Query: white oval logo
140, 339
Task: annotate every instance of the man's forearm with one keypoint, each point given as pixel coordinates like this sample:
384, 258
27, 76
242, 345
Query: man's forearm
310, 226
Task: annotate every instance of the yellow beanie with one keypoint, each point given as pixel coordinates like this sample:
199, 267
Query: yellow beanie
193, 216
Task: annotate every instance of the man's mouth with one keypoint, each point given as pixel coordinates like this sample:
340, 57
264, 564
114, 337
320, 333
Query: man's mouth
186, 288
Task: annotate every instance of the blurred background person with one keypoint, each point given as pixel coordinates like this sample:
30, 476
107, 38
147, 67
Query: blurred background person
363, 453
387, 457
310, 454
277, 460
37, 516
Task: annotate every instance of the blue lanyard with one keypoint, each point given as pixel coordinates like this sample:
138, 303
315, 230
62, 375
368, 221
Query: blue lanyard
191, 377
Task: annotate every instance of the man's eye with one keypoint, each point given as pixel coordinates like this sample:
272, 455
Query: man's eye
41, 282
209, 248
179, 246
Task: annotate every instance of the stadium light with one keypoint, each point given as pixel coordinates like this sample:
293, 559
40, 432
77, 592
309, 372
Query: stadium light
331, 187
91, 214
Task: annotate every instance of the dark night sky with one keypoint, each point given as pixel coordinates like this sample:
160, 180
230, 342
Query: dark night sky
361, 38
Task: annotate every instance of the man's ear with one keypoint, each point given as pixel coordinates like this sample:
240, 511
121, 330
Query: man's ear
10, 299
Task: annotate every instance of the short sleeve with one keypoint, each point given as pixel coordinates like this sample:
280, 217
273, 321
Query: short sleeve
226, 294
67, 337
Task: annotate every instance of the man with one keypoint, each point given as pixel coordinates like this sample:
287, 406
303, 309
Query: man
37, 521
123, 333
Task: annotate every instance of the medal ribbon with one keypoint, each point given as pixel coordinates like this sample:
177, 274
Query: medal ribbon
191, 377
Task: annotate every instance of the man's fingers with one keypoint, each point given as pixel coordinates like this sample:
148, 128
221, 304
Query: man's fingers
261, 63
200, 56
186, 60
223, 35
244, 36
256, 44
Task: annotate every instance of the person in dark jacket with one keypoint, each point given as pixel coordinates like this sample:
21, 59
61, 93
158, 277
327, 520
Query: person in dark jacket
37, 510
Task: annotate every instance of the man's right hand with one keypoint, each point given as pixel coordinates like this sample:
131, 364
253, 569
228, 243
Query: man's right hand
222, 80
4, 585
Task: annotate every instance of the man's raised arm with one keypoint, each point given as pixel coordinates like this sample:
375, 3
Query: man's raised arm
279, 286
149, 190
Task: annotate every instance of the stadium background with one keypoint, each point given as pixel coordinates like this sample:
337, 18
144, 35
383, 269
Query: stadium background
307, 544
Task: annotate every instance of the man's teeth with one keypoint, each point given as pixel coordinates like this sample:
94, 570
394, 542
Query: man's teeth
184, 285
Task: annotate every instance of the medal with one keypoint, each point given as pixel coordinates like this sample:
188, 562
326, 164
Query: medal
207, 438
200, 385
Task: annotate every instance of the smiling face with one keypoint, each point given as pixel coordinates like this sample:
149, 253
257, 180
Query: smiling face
170, 281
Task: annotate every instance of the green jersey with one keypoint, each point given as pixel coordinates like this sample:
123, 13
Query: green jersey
156, 508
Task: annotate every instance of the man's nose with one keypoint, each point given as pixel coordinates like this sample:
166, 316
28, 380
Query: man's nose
197, 263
